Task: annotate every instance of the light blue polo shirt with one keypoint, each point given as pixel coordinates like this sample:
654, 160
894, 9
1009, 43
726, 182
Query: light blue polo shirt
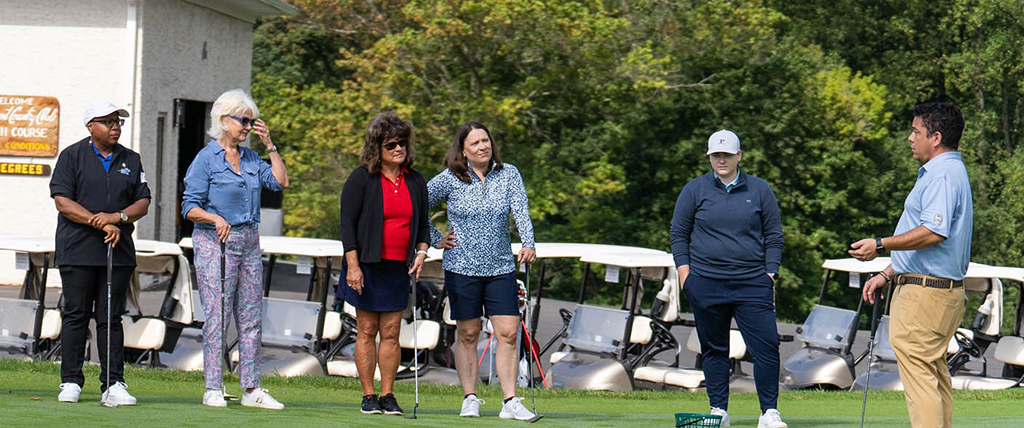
940, 201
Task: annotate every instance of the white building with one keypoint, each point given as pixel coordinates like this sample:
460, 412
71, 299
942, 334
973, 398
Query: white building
165, 61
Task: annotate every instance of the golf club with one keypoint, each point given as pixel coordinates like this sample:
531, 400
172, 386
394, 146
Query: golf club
415, 349
529, 353
223, 319
105, 400
871, 353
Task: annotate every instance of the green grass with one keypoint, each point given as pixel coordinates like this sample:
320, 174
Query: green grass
28, 397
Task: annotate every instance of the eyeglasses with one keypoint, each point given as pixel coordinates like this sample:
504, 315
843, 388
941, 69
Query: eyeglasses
109, 123
392, 144
244, 121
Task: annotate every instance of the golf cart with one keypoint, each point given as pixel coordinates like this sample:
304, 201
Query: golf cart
27, 327
968, 346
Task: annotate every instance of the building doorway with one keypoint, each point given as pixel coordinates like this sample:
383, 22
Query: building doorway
191, 118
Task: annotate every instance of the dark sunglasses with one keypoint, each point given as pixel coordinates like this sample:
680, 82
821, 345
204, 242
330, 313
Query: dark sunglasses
391, 145
109, 123
244, 121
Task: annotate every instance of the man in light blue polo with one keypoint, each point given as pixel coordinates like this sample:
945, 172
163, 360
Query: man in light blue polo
930, 253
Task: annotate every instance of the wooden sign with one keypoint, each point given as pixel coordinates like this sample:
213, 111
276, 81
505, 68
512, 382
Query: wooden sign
9, 168
28, 125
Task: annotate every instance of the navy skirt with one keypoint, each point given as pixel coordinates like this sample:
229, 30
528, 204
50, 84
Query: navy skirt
385, 287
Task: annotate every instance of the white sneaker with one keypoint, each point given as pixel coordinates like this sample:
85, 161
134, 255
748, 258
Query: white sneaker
771, 419
69, 392
724, 414
117, 394
262, 399
214, 398
471, 406
514, 409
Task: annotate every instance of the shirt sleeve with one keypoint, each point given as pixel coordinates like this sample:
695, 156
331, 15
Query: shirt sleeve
771, 225
682, 226
62, 182
437, 191
140, 189
351, 207
938, 205
520, 205
197, 185
267, 179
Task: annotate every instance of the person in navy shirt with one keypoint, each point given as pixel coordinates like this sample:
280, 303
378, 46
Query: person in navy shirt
222, 197
931, 249
726, 238
100, 191
479, 268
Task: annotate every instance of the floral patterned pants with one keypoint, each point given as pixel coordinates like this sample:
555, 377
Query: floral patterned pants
243, 298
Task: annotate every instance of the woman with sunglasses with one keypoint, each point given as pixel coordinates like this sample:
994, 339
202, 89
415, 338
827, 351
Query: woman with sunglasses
222, 197
479, 268
385, 229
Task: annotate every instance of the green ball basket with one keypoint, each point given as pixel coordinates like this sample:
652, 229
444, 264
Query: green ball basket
697, 420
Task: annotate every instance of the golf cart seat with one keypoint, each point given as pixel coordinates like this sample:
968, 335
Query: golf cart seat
640, 334
146, 334
52, 322
1009, 350
427, 333
689, 378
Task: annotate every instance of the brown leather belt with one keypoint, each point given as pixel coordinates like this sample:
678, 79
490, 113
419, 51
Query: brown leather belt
927, 281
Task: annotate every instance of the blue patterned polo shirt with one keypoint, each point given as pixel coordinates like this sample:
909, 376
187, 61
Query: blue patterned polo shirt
478, 212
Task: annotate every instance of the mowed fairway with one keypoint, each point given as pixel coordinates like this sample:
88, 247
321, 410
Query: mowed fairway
28, 397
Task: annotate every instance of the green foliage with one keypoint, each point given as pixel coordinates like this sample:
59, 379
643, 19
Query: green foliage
605, 106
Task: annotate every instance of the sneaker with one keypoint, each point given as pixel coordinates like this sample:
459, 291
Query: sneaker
69, 392
371, 406
471, 407
389, 405
262, 399
771, 419
214, 398
724, 414
514, 409
118, 395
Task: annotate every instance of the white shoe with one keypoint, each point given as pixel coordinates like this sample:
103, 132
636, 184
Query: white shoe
471, 407
118, 395
724, 414
69, 392
214, 398
260, 398
514, 409
771, 419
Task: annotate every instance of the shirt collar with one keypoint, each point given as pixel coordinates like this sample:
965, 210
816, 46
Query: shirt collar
738, 180
489, 171
109, 157
217, 149
939, 158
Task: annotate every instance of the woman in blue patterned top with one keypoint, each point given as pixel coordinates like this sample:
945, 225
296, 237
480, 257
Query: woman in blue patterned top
479, 269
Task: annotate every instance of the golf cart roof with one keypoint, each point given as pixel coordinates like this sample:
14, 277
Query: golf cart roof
974, 270
311, 247
148, 248
551, 250
28, 244
632, 260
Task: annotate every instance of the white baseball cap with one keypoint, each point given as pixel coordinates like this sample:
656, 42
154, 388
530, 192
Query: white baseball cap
100, 108
723, 141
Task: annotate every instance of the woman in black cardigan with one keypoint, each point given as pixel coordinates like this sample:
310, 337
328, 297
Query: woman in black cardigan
385, 230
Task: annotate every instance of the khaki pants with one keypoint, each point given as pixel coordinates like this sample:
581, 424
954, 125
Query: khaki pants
922, 322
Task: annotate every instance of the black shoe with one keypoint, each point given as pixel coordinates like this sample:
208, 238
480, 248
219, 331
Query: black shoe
390, 405
370, 405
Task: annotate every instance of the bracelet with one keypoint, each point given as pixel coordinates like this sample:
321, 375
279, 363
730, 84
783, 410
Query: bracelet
886, 276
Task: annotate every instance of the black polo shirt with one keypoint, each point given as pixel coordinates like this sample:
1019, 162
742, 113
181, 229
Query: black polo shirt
79, 176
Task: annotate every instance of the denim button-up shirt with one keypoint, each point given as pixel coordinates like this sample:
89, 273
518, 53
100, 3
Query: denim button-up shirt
478, 213
211, 184
942, 202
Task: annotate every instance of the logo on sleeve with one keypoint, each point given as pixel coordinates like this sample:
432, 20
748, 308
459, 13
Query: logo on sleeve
938, 218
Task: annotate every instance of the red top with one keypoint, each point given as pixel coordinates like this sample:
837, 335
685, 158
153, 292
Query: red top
397, 218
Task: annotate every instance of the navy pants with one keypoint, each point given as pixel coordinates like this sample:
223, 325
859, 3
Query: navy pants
752, 302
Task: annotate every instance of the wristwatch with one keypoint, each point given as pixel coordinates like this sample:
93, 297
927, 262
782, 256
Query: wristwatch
272, 149
879, 248
124, 217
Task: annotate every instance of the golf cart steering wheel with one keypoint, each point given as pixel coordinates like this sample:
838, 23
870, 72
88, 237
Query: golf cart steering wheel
966, 344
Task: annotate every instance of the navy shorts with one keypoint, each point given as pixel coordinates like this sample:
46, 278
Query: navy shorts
473, 296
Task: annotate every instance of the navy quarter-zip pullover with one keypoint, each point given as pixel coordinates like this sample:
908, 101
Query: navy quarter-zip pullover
727, 234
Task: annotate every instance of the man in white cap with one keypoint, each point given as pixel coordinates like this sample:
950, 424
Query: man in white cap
726, 238
100, 191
